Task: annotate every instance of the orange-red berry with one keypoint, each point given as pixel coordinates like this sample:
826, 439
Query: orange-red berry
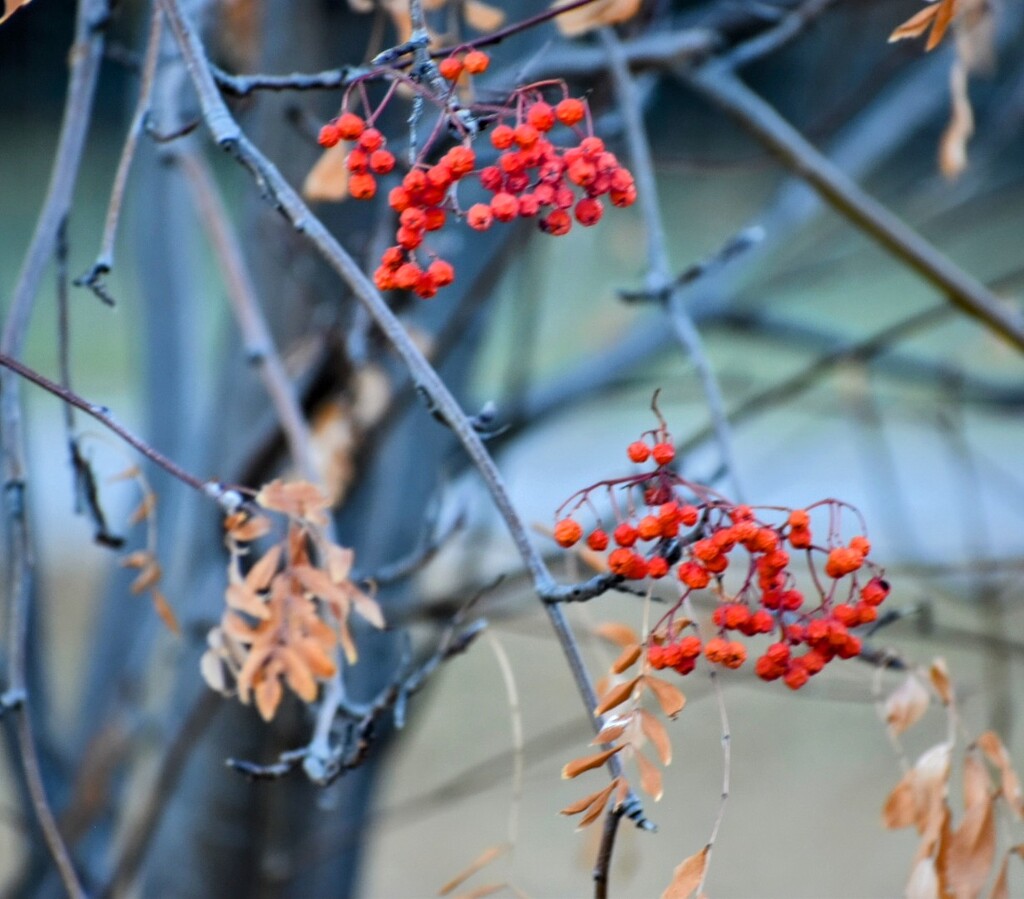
663, 453
567, 532
350, 126
570, 111
638, 451
479, 217
476, 62
450, 68
598, 540
329, 135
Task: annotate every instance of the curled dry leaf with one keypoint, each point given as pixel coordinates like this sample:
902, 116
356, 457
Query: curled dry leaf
995, 751
487, 889
953, 144
577, 766
138, 559
144, 509
937, 17
906, 705
609, 734
670, 698
595, 15
687, 876
479, 863
147, 578
244, 527
617, 695
977, 785
166, 613
627, 658
919, 798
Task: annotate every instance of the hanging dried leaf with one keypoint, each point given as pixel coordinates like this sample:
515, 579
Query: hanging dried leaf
995, 751
939, 674
650, 777
595, 15
148, 577
327, 181
268, 697
479, 863
977, 785
212, 669
617, 695
900, 809
919, 797
577, 766
924, 881
11, 7
670, 698
916, 25
258, 577
1001, 888
655, 731
627, 658
482, 16
687, 876
592, 814
488, 889
601, 796
138, 559
906, 705
166, 613
620, 634
971, 851
943, 18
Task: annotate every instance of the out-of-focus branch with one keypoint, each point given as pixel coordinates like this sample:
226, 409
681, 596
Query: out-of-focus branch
93, 279
724, 89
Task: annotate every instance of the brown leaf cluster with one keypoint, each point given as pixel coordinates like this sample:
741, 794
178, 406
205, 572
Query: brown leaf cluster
631, 726
287, 616
688, 876
956, 855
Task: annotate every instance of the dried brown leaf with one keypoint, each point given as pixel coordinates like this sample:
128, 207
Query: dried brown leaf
971, 851
268, 697
327, 181
582, 804
617, 695
687, 876
655, 731
587, 763
906, 705
627, 658
138, 559
595, 15
900, 809
340, 560
993, 747
148, 577
670, 698
482, 16
10, 8
609, 734
258, 577
916, 25
166, 613
478, 864
487, 889
298, 675
143, 510
592, 814
650, 777
298, 499
620, 634
939, 674
368, 608
316, 657
128, 474
943, 18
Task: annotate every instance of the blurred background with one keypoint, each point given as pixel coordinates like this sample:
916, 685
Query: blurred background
845, 375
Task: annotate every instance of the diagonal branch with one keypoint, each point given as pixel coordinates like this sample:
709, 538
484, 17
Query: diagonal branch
723, 88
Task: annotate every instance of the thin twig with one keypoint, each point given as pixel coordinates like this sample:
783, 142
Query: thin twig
229, 136
103, 415
260, 348
659, 272
93, 279
720, 85
602, 867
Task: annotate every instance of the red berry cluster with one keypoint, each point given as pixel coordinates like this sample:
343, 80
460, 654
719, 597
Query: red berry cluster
531, 178
729, 549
